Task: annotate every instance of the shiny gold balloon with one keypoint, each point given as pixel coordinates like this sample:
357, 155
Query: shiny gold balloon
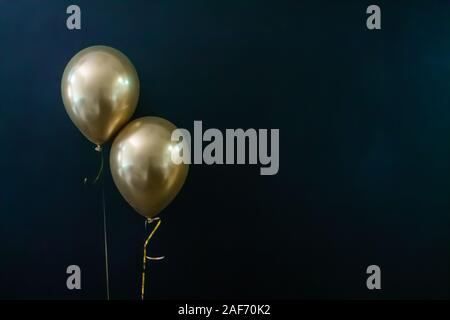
100, 90
142, 167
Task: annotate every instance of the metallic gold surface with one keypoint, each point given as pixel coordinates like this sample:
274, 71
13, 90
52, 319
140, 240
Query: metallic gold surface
142, 167
100, 90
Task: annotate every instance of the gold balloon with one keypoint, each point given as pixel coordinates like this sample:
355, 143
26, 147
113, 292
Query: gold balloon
100, 90
142, 167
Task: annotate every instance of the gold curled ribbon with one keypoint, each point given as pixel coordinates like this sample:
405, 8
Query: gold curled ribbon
145, 257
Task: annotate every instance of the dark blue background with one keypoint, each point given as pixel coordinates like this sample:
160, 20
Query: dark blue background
364, 119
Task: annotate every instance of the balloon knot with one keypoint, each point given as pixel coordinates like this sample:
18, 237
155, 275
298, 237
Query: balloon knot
150, 220
98, 148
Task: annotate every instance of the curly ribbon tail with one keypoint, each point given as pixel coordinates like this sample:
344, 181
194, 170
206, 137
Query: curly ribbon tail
145, 257
100, 170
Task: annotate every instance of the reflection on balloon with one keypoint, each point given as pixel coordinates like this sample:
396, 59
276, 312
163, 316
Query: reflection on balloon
100, 91
142, 167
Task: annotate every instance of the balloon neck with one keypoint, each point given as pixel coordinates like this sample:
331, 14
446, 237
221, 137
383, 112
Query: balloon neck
98, 148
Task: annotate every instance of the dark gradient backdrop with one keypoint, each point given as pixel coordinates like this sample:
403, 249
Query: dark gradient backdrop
364, 119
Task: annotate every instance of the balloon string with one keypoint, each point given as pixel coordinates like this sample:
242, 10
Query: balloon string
105, 232
97, 178
145, 257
